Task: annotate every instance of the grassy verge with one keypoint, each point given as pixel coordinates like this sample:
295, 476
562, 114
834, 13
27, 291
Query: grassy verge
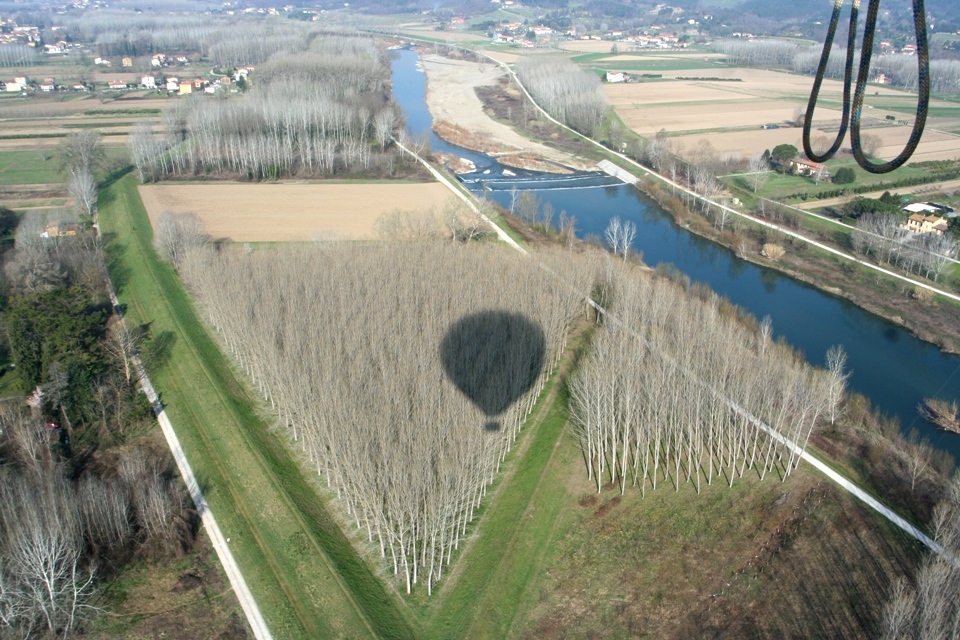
482, 596
306, 577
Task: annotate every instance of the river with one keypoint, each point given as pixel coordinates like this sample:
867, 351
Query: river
889, 366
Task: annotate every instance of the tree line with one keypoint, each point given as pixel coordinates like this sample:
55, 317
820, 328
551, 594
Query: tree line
927, 607
316, 113
80, 495
567, 92
344, 342
901, 70
675, 387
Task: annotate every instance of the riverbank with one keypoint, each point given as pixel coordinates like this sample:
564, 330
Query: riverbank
928, 317
460, 118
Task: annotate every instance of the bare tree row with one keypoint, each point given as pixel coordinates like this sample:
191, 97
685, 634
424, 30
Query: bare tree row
882, 236
55, 531
673, 390
901, 70
928, 609
345, 343
18, 55
567, 92
309, 114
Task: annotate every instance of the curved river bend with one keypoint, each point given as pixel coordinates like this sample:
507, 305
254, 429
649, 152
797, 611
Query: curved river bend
889, 366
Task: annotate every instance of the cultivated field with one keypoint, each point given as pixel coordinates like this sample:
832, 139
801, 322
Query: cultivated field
729, 113
291, 212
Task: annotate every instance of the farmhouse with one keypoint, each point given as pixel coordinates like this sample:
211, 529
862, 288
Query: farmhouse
59, 229
48, 85
808, 168
116, 85
616, 76
919, 223
149, 82
173, 84
126, 62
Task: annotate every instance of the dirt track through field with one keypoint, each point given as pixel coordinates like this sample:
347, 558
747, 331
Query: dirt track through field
292, 212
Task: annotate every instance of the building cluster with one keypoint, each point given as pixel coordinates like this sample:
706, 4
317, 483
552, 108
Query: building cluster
172, 84
928, 217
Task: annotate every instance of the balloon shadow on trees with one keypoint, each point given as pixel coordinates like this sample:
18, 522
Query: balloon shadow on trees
493, 358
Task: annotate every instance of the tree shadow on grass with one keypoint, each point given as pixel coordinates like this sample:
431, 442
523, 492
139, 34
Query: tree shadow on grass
829, 577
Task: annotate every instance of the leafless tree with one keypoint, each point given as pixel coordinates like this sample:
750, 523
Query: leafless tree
47, 584
871, 143
123, 344
83, 189
175, 234
673, 391
620, 236
81, 151
758, 171
567, 92
837, 367
930, 609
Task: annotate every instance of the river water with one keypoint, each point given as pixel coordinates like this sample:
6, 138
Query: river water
889, 366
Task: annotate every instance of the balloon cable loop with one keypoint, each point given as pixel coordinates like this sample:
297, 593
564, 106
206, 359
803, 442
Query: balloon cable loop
852, 109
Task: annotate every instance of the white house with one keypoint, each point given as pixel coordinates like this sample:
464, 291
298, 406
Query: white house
149, 82
615, 76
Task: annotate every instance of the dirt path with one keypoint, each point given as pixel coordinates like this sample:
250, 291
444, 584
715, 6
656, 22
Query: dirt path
920, 188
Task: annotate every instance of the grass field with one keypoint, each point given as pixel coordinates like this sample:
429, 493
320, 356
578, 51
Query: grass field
292, 212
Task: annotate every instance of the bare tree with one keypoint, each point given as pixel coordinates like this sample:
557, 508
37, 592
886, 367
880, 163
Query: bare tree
870, 144
930, 610
81, 151
176, 234
123, 344
374, 313
758, 171
837, 366
83, 189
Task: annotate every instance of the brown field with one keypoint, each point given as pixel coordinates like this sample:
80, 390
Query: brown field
291, 212
729, 114
507, 57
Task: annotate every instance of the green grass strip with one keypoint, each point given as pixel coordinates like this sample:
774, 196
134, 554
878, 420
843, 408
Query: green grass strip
513, 534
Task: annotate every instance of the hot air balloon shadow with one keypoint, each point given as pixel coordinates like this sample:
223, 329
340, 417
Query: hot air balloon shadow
493, 358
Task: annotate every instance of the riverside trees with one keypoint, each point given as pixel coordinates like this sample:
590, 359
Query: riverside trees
675, 389
314, 112
344, 342
567, 92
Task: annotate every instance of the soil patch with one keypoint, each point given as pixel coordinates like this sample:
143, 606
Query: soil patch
292, 212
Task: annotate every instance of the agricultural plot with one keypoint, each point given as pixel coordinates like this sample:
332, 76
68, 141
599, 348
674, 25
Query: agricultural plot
729, 113
292, 212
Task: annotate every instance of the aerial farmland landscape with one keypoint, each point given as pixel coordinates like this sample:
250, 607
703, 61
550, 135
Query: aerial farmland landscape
506, 319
